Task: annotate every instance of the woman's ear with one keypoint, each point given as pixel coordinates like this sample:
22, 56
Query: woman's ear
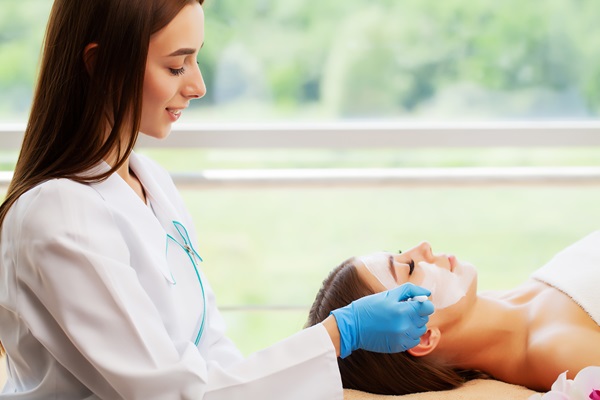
89, 57
429, 342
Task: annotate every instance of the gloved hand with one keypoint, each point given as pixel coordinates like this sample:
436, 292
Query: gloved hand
384, 322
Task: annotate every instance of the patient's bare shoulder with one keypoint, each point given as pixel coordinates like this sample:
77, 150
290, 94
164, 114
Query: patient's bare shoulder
560, 348
560, 338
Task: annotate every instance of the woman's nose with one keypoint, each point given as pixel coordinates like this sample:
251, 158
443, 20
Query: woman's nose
195, 87
426, 252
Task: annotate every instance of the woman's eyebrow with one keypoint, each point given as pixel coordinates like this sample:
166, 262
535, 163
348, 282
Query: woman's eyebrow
392, 269
184, 51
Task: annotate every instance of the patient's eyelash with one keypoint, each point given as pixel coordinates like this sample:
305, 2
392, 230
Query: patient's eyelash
411, 265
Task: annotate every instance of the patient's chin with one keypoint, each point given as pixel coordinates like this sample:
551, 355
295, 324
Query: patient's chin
447, 317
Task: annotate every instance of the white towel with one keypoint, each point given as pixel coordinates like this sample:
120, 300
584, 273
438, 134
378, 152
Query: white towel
575, 271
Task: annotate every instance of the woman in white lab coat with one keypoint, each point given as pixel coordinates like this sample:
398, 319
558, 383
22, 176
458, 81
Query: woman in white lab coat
102, 295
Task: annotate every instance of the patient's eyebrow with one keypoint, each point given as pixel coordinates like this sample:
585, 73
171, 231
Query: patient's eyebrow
392, 269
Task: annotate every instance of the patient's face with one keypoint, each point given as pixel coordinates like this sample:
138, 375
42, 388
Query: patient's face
448, 279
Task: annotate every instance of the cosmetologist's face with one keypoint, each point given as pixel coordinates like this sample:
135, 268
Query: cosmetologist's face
172, 76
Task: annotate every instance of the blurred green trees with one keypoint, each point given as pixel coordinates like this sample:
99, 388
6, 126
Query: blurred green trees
451, 59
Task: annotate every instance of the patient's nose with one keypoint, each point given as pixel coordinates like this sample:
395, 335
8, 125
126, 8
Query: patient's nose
426, 252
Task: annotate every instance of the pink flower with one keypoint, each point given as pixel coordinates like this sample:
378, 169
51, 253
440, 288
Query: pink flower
585, 385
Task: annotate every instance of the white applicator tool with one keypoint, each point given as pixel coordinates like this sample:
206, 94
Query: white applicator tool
420, 299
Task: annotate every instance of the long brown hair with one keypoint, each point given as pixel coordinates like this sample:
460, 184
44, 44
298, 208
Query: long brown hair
392, 374
74, 105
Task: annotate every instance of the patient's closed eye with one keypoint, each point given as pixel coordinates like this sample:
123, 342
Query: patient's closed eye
411, 265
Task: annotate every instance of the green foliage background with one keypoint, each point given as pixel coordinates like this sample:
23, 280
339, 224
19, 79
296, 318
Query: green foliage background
451, 59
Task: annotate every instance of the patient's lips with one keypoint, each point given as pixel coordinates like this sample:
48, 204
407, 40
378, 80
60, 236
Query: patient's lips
452, 260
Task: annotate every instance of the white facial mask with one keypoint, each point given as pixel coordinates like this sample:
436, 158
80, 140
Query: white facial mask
446, 287
379, 266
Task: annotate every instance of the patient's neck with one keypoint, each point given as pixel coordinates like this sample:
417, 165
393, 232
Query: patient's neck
491, 337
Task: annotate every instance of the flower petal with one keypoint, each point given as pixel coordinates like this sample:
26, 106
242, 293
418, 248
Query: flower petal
552, 395
562, 384
588, 379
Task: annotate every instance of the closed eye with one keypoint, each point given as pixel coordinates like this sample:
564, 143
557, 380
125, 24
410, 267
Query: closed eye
411, 266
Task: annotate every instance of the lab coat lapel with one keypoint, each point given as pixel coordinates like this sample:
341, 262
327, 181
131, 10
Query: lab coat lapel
165, 212
121, 197
182, 258
163, 208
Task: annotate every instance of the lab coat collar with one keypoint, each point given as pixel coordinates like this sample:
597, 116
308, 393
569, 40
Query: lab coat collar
153, 226
118, 191
163, 208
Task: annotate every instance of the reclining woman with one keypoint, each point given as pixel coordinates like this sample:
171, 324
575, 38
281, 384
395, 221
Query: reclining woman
526, 336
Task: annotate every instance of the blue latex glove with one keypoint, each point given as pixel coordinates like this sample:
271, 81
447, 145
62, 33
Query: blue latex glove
384, 322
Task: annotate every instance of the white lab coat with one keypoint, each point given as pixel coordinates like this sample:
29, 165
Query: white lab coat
92, 308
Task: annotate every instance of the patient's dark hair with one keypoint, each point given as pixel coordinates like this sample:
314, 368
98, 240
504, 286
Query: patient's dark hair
399, 373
